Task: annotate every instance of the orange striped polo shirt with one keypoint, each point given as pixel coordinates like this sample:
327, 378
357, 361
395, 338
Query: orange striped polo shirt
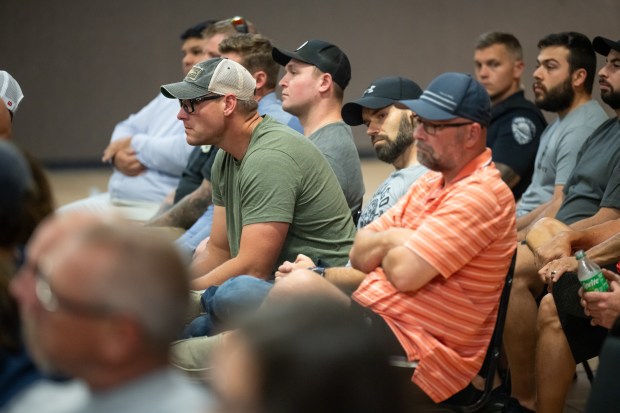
466, 231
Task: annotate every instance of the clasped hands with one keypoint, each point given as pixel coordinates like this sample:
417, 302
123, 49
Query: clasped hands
124, 158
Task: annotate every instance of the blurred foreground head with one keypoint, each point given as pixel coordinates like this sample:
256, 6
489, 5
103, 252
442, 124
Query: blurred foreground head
307, 355
100, 300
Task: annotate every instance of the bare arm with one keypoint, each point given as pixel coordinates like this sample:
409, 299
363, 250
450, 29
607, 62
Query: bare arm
568, 240
548, 209
369, 247
603, 253
406, 270
187, 211
259, 250
508, 174
603, 216
345, 278
217, 251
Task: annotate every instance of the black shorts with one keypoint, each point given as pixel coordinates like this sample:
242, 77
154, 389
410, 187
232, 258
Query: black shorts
375, 322
584, 339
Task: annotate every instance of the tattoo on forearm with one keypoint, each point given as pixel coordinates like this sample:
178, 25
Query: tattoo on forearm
187, 211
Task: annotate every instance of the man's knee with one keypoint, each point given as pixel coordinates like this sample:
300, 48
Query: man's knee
526, 273
548, 319
543, 230
238, 295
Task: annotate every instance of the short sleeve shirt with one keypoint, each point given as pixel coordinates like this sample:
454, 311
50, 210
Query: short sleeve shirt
557, 153
284, 178
466, 231
595, 181
514, 136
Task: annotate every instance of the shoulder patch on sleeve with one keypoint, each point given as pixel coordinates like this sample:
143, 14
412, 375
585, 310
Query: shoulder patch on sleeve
523, 130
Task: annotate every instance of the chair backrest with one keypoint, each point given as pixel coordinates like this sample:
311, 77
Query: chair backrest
604, 396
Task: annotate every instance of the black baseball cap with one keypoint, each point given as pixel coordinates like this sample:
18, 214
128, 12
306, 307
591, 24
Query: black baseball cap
382, 92
602, 45
326, 56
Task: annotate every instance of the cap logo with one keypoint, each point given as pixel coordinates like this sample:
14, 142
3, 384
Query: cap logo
194, 73
304, 43
9, 103
369, 90
440, 99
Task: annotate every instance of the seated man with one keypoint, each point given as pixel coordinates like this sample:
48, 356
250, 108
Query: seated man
563, 83
315, 77
86, 306
193, 209
148, 151
516, 123
274, 193
591, 197
391, 130
436, 261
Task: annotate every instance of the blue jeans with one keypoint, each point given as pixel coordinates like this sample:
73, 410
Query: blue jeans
225, 305
197, 232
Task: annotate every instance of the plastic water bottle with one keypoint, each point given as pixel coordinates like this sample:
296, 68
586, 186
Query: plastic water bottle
590, 275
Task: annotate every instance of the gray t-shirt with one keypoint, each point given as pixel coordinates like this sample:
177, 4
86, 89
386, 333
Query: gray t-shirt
557, 153
595, 181
335, 142
390, 191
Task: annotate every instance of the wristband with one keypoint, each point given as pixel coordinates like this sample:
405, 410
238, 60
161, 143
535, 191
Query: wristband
318, 270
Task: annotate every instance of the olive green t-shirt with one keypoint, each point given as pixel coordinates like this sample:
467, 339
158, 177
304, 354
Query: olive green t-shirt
284, 178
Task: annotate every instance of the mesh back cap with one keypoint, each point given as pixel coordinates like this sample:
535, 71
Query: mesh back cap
10, 92
220, 76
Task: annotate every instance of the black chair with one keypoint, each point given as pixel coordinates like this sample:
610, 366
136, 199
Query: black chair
469, 400
605, 397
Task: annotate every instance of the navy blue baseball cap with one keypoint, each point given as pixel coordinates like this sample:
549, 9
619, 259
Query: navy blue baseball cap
453, 95
326, 56
382, 92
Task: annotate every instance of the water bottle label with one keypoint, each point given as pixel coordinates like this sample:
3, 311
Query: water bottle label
597, 282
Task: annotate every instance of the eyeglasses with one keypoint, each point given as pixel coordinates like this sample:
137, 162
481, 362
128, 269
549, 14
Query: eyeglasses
434, 128
239, 23
52, 302
188, 104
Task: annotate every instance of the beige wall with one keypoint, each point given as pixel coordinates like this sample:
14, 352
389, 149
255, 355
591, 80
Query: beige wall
84, 65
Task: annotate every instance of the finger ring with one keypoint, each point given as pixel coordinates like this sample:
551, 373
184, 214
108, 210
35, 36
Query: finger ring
554, 272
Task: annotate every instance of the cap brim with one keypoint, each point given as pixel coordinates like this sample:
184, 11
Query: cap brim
282, 57
602, 45
182, 90
352, 112
425, 110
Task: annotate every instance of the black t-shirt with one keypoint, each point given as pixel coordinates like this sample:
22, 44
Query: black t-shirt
198, 168
514, 135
